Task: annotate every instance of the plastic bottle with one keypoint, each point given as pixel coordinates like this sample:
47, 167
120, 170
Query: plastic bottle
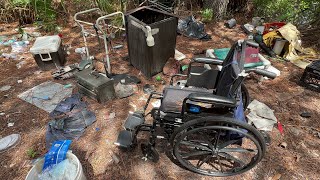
150, 39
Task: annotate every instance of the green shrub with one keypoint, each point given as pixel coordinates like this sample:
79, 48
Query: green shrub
31, 153
207, 15
297, 12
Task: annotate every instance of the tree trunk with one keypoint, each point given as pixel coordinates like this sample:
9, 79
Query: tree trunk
219, 7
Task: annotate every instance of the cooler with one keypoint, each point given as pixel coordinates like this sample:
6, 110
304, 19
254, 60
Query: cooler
48, 52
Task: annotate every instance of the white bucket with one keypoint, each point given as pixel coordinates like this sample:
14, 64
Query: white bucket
37, 168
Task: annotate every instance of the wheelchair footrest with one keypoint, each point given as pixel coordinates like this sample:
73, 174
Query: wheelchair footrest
133, 121
125, 139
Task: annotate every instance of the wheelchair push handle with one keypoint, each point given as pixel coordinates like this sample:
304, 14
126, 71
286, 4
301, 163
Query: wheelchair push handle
262, 72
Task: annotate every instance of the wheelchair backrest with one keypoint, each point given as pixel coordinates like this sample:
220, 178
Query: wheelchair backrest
231, 68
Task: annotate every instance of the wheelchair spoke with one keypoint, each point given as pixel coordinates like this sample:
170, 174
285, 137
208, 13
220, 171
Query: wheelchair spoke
241, 150
219, 162
225, 144
202, 161
230, 157
192, 144
217, 139
218, 149
208, 140
195, 153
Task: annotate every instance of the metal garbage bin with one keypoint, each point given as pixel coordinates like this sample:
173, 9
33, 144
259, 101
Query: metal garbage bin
151, 36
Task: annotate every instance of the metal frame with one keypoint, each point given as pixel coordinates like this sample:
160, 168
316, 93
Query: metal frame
101, 26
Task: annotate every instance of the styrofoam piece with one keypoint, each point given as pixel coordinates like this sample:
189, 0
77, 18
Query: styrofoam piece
265, 61
209, 53
179, 55
271, 69
46, 44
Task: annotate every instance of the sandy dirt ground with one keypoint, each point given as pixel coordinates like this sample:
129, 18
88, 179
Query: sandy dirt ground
95, 148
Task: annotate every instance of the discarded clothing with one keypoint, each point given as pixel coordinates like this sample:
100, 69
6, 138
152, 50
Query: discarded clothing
46, 95
69, 120
191, 28
261, 116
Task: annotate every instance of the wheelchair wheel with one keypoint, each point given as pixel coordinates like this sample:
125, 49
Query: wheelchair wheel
245, 96
217, 146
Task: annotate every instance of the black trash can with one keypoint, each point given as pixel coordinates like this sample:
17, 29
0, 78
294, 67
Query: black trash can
150, 59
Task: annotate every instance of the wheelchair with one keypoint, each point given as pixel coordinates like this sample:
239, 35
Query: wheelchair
202, 118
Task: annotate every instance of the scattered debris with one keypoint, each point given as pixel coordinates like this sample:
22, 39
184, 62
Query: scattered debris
123, 90
19, 81
68, 86
156, 103
261, 116
192, 28
276, 177
66, 72
19, 46
20, 64
5, 88
125, 79
115, 158
148, 89
37, 72
158, 78
69, 120
283, 145
171, 67
179, 55
118, 46
9, 142
46, 95
56, 154
9, 56
231, 23
305, 114
2, 114
10, 124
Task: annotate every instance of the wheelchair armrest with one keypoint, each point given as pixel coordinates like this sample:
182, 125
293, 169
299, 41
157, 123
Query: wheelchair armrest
212, 99
208, 61
175, 75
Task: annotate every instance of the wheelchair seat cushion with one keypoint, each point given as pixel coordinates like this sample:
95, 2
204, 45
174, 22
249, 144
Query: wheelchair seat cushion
173, 97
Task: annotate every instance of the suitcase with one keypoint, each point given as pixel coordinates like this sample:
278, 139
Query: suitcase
95, 85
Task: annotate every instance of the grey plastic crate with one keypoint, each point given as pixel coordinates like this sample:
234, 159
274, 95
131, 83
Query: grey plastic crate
150, 60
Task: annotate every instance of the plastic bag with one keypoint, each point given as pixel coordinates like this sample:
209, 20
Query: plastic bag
192, 28
56, 154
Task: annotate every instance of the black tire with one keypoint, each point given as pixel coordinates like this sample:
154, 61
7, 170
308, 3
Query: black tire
227, 125
245, 97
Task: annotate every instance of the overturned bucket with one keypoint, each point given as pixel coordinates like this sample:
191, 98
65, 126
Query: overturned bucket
36, 170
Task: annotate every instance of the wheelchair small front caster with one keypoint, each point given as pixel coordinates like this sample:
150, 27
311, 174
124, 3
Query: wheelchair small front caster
266, 137
149, 152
